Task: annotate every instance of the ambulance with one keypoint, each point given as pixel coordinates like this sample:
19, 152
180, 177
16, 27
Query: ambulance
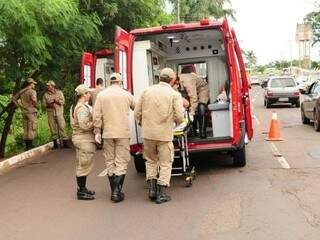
212, 48
99, 64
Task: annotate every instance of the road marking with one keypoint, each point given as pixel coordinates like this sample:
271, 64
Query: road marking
257, 120
276, 153
103, 173
279, 157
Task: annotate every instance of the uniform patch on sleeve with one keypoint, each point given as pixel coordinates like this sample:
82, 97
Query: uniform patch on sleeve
83, 114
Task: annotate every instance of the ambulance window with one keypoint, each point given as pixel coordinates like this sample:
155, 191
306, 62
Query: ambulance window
123, 67
87, 75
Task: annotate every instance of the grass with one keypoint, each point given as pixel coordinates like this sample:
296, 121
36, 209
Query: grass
15, 143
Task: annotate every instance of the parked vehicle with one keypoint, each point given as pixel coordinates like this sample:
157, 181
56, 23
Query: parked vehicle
254, 81
263, 82
281, 90
305, 85
310, 107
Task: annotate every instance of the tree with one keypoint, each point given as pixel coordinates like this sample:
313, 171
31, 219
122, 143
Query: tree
195, 10
127, 14
38, 37
314, 19
251, 59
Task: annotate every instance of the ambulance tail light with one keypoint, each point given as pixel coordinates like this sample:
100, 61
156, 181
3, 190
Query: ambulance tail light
296, 93
269, 93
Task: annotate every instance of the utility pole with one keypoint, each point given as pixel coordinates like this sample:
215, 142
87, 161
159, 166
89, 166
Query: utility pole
178, 11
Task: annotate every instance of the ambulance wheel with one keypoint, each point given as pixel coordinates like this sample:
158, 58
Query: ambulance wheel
139, 164
239, 157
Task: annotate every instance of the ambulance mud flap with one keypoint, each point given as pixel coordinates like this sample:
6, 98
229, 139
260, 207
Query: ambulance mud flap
242, 141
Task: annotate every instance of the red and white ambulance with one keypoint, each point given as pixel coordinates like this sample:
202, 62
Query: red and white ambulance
213, 49
99, 64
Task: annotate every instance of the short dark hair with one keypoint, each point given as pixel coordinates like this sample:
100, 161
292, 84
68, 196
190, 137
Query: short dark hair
187, 69
165, 78
99, 81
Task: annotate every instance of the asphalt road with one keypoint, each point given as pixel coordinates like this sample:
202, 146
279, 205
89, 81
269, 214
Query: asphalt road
276, 196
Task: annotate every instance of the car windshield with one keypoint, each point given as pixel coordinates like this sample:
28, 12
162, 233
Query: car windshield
282, 82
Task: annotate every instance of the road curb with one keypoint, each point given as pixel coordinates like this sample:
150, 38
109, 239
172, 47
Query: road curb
9, 163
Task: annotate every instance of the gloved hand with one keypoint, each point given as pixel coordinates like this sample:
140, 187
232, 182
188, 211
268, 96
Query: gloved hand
98, 138
191, 118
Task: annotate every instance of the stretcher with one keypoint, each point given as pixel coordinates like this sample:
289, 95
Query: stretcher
181, 165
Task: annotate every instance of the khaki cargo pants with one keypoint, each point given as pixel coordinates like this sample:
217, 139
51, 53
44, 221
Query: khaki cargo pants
158, 154
84, 157
203, 95
54, 126
29, 126
117, 155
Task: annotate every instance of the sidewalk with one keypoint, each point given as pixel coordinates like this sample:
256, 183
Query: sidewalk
23, 158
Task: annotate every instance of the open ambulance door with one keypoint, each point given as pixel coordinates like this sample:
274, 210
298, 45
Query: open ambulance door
123, 56
245, 85
234, 85
87, 73
123, 65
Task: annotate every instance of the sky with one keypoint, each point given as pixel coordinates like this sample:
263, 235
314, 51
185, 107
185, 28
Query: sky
268, 27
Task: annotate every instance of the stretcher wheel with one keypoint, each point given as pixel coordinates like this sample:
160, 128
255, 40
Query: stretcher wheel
190, 177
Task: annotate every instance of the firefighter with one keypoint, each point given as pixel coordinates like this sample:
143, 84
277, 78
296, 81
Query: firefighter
198, 93
28, 104
53, 100
99, 87
83, 140
158, 108
111, 113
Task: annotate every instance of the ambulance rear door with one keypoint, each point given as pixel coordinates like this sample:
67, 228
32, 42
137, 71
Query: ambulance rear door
245, 86
123, 65
87, 72
234, 82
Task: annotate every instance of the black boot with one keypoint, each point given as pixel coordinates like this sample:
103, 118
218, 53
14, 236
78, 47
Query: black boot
152, 184
202, 120
116, 195
55, 144
162, 197
66, 144
28, 144
202, 127
83, 193
112, 185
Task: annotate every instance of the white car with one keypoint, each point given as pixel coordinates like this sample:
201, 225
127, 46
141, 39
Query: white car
254, 81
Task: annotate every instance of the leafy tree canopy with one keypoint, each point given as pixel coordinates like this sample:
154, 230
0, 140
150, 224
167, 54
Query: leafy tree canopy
194, 10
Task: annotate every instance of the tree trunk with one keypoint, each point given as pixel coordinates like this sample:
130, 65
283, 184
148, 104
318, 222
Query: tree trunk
6, 130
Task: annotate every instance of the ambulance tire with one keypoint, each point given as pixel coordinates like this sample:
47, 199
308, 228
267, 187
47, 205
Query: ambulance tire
139, 163
239, 157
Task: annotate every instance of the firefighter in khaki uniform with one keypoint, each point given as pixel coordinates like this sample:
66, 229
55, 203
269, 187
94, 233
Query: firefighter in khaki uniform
28, 104
83, 140
111, 113
94, 93
53, 100
198, 93
158, 108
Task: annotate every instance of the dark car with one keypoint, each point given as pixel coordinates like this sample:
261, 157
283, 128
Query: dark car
310, 107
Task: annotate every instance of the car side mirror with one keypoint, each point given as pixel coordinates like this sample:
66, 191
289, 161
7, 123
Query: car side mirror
302, 91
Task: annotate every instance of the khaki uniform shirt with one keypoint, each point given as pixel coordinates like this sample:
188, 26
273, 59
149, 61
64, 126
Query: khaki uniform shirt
28, 98
195, 87
157, 109
54, 101
94, 94
111, 112
82, 124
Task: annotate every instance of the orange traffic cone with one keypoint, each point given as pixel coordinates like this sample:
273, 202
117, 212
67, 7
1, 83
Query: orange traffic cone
274, 132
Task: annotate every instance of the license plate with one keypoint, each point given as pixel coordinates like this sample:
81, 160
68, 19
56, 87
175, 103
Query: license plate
283, 99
